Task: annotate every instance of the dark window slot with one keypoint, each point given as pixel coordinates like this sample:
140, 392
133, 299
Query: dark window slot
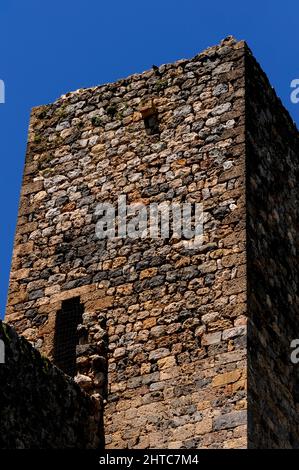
151, 124
66, 337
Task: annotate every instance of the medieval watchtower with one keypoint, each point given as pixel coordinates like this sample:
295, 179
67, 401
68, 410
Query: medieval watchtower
194, 342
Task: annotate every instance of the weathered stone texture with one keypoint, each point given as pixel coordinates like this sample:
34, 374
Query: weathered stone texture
272, 202
42, 408
169, 323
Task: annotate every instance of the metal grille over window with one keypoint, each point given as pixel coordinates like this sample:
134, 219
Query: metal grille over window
66, 337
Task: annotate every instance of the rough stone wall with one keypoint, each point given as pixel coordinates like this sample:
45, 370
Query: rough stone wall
41, 408
170, 321
272, 181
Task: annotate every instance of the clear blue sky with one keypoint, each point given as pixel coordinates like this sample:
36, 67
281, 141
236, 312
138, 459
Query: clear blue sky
49, 48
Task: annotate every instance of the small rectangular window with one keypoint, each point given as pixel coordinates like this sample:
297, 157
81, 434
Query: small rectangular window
149, 114
151, 124
66, 337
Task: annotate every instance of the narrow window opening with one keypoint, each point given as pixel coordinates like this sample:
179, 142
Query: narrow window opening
150, 117
66, 336
151, 124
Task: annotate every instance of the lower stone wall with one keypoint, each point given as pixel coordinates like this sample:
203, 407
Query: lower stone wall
40, 406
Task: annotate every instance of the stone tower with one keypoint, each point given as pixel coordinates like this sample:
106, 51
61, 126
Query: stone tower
189, 347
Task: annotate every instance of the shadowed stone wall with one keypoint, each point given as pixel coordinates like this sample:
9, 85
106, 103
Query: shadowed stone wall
272, 243
41, 408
